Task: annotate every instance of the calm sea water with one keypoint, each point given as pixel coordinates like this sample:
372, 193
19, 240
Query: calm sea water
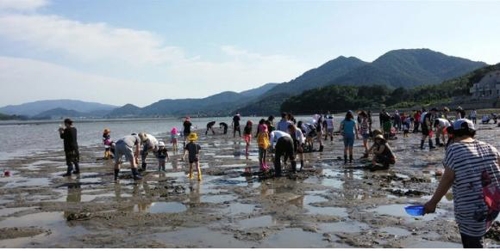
33, 137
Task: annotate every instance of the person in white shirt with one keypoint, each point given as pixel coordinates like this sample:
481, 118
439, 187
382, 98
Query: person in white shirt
329, 128
298, 143
441, 124
282, 142
149, 143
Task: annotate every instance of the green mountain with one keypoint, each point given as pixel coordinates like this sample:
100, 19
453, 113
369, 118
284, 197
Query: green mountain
340, 98
127, 110
398, 68
220, 104
270, 101
408, 68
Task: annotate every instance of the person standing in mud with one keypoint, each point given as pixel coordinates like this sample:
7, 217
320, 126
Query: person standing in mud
348, 130
192, 150
427, 128
298, 142
263, 143
69, 135
187, 128
247, 136
282, 142
471, 166
416, 121
364, 130
236, 125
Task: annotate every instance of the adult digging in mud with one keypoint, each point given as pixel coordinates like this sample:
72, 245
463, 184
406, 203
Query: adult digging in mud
130, 147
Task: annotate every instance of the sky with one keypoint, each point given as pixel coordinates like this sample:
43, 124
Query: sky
142, 51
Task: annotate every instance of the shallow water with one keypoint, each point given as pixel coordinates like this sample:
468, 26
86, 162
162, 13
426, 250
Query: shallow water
226, 209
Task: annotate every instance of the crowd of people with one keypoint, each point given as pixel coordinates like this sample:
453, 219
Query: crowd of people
471, 166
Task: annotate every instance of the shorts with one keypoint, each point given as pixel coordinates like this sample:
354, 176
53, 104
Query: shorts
193, 160
425, 131
366, 135
329, 130
348, 141
247, 138
173, 141
122, 149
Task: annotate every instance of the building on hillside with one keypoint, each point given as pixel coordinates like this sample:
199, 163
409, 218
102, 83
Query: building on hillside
488, 87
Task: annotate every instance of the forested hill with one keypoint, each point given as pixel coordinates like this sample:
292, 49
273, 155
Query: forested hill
337, 98
398, 68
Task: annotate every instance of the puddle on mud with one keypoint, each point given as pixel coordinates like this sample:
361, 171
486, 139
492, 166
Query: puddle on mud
162, 207
40, 164
330, 211
15, 182
61, 233
238, 208
344, 227
12, 210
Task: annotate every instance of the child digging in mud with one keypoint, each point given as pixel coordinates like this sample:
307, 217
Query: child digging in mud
192, 150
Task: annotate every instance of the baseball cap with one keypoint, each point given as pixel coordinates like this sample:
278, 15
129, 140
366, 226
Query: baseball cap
463, 124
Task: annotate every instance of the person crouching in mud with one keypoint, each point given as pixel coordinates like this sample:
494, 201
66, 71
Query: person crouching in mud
382, 153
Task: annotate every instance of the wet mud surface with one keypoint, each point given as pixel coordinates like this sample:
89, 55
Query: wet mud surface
328, 204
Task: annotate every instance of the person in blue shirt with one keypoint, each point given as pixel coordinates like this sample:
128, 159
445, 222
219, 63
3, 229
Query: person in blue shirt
348, 129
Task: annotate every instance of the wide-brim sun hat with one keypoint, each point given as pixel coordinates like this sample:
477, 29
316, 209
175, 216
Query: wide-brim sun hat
192, 136
161, 144
380, 136
106, 130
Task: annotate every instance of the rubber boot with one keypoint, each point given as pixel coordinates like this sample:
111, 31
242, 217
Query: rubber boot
301, 164
320, 148
294, 166
350, 158
68, 170
77, 169
345, 158
136, 175
430, 145
422, 144
199, 176
117, 171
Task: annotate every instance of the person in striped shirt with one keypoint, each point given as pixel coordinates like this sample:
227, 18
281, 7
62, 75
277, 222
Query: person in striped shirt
466, 161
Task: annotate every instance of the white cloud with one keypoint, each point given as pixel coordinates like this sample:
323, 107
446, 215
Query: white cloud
22, 5
138, 53
88, 42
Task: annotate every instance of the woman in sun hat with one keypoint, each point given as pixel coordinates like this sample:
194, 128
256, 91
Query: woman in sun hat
382, 152
470, 167
192, 149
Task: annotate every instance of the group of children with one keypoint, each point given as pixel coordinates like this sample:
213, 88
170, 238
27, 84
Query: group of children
191, 150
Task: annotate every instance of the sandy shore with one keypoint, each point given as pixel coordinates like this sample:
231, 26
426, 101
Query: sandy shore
328, 204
